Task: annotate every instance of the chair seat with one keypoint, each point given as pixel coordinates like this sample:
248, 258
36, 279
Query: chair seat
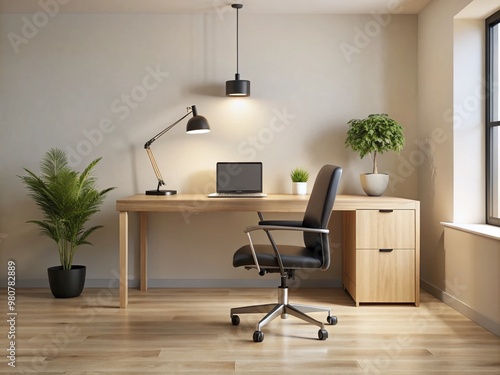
292, 257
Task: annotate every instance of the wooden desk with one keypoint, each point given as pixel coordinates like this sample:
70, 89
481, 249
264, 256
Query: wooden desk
187, 204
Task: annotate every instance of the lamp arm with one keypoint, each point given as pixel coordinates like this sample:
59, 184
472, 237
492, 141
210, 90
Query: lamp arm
155, 168
150, 152
148, 143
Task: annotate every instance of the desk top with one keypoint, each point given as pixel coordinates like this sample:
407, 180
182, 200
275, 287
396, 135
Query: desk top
271, 203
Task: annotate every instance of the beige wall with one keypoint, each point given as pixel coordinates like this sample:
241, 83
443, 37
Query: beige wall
459, 267
67, 87
435, 100
472, 274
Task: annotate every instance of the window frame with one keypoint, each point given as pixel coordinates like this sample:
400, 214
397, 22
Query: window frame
490, 123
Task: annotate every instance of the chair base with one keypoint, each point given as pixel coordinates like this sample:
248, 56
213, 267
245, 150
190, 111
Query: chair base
283, 308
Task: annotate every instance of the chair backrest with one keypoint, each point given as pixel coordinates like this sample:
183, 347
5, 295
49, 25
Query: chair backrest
319, 209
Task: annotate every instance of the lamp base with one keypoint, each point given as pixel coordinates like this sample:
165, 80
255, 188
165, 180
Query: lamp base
161, 192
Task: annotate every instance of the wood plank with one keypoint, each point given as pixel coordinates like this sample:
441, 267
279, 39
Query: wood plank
166, 331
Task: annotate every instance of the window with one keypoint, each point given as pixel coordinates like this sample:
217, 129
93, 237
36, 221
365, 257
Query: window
493, 119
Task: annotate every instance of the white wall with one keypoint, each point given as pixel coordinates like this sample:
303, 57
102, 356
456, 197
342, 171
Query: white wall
468, 121
66, 86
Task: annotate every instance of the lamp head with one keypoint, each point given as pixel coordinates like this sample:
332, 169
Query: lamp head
197, 124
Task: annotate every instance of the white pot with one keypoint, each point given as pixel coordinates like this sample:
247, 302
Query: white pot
299, 188
374, 184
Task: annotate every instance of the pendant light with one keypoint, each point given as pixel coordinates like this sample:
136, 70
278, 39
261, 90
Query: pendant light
237, 87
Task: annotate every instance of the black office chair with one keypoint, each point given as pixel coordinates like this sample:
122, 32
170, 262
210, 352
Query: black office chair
286, 259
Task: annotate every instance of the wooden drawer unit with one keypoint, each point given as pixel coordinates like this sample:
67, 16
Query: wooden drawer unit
380, 255
385, 229
385, 276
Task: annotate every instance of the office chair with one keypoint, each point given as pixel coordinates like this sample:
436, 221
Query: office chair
286, 259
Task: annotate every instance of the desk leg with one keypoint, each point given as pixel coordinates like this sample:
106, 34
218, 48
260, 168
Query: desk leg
144, 251
123, 228
417, 255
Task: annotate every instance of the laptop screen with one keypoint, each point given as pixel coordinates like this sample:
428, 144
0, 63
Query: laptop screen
239, 177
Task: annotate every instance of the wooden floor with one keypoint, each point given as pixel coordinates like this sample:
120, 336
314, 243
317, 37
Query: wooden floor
170, 331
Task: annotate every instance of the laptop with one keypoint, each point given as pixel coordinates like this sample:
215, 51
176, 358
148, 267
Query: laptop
238, 180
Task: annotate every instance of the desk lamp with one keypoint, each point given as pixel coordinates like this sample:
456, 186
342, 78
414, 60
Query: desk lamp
196, 125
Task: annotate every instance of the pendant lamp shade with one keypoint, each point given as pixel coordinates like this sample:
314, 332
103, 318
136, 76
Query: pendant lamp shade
237, 87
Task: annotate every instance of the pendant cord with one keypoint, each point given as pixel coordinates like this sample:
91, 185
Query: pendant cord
237, 46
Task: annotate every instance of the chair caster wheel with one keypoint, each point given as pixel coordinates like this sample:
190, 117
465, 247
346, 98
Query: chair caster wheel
235, 319
332, 320
258, 336
322, 334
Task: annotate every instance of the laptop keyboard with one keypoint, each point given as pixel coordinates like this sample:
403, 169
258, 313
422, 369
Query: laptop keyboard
237, 195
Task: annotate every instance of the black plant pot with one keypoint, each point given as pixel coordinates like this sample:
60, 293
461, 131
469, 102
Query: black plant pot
66, 283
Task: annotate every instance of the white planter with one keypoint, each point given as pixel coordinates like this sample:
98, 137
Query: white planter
374, 184
299, 188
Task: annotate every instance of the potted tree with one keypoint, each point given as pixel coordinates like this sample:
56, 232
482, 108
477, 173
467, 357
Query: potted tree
67, 200
299, 178
374, 135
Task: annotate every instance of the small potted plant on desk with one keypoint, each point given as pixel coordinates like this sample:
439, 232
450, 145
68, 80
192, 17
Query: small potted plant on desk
374, 135
67, 200
299, 177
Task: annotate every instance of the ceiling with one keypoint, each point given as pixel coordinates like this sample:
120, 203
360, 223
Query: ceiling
216, 6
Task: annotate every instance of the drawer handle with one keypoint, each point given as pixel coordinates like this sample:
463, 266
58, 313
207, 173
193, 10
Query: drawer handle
385, 210
385, 250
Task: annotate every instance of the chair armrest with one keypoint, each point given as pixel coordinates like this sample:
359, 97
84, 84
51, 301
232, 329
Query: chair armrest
284, 223
279, 227
267, 229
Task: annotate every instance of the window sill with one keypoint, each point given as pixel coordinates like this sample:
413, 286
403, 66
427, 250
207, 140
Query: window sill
484, 230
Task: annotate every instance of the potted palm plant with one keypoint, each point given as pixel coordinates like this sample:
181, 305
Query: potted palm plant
372, 136
299, 177
67, 200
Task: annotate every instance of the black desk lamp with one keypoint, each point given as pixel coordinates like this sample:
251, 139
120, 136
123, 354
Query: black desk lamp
196, 125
